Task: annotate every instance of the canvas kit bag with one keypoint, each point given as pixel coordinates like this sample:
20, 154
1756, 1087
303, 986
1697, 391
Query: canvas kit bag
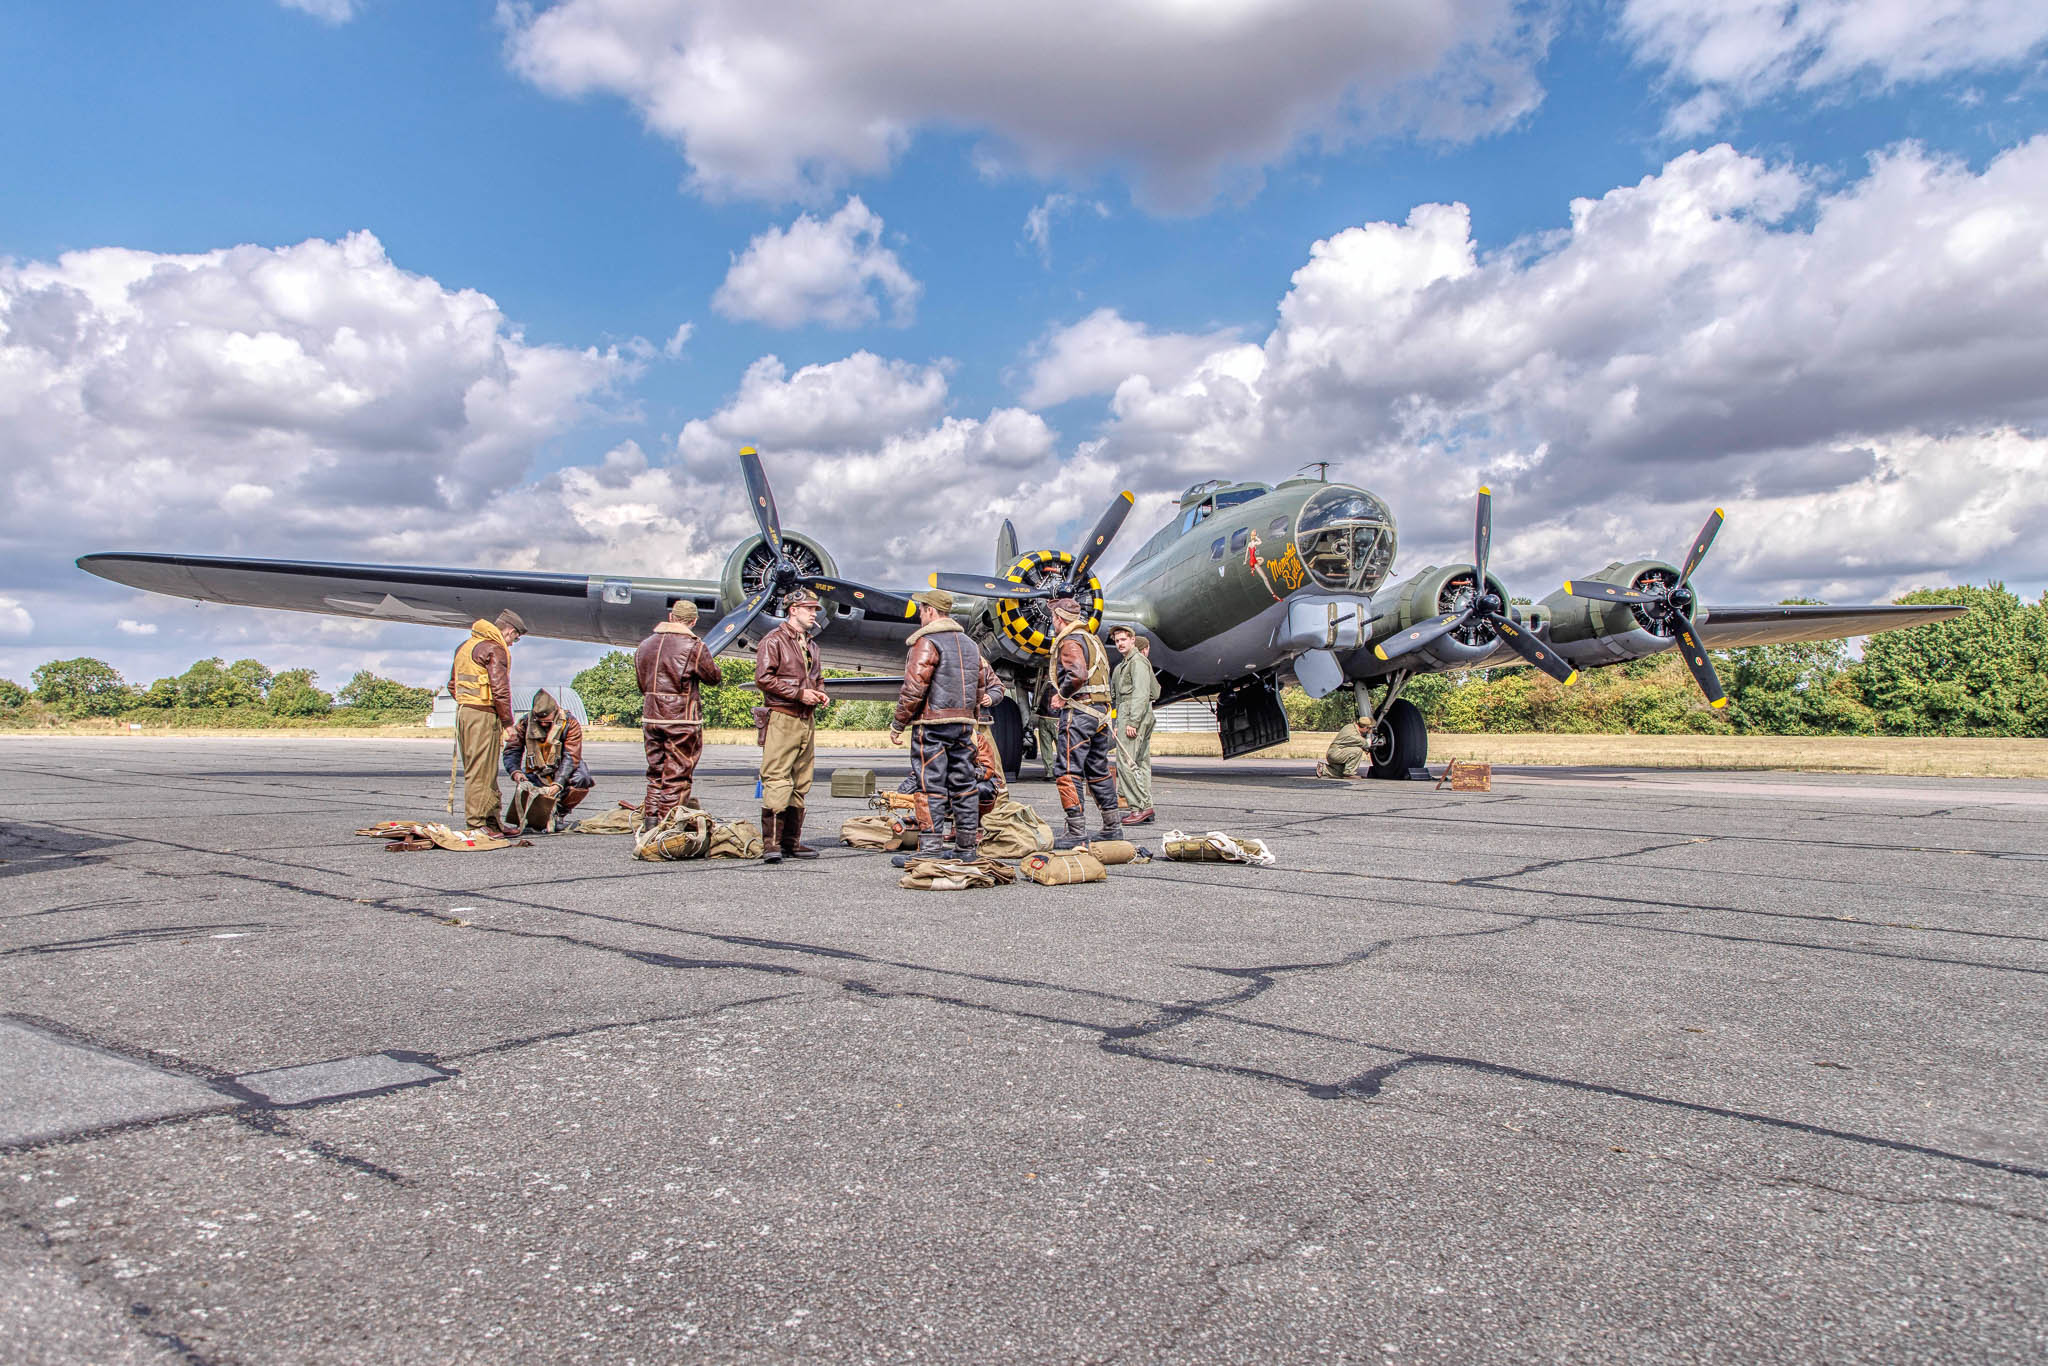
955, 875
411, 836
1110, 853
1063, 868
879, 831
1010, 829
690, 834
1216, 847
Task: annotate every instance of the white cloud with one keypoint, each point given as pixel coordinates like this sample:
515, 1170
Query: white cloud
15, 621
792, 98
128, 626
1104, 349
327, 11
1038, 223
1731, 53
1724, 331
673, 347
826, 271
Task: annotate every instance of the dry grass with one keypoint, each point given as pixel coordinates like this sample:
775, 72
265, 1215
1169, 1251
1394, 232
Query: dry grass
1937, 758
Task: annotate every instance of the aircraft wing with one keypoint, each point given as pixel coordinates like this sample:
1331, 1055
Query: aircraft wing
609, 611
1729, 628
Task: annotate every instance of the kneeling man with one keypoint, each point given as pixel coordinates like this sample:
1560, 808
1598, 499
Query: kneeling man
545, 756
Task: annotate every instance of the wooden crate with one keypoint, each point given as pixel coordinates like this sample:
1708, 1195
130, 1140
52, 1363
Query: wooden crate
1464, 775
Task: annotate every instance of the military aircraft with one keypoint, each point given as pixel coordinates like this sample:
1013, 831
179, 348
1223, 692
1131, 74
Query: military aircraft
1248, 587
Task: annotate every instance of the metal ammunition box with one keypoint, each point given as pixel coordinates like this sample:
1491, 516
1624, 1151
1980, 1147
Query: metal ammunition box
853, 782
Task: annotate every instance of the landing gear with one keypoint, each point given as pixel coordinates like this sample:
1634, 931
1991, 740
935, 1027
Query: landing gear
1400, 737
1400, 742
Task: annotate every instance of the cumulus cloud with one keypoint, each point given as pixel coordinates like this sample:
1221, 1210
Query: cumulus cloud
128, 626
1104, 349
1726, 330
1038, 223
673, 347
828, 271
791, 98
1732, 53
327, 11
15, 621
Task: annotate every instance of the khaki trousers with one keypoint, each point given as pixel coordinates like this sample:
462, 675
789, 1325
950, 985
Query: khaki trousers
787, 755
1134, 767
482, 743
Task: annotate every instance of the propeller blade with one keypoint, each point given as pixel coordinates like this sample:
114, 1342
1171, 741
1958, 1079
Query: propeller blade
1482, 535
1699, 547
1006, 547
995, 586
730, 625
1415, 637
1098, 539
1695, 656
1607, 592
874, 601
763, 499
1525, 644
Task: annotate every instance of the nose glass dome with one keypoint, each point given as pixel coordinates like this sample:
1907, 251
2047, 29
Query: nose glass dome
1347, 539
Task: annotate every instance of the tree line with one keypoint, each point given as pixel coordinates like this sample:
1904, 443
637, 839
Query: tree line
245, 692
1984, 673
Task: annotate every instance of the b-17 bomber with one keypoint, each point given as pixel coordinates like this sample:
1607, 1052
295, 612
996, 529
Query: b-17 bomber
1249, 587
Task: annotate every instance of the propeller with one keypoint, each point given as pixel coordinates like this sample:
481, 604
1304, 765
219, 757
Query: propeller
784, 573
1668, 608
1067, 583
1485, 607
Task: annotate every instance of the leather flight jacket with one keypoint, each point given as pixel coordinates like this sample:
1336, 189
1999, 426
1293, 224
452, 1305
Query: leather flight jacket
785, 665
944, 678
1080, 665
670, 666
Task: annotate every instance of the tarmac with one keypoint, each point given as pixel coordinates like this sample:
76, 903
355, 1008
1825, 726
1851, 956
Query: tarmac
1597, 1066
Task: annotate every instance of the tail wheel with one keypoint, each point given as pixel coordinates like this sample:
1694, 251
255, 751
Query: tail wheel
1029, 622
1400, 742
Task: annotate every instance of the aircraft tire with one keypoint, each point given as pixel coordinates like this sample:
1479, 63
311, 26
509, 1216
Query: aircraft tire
1008, 728
1400, 741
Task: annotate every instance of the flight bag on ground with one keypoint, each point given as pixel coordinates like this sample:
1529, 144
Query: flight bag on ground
1216, 847
1063, 867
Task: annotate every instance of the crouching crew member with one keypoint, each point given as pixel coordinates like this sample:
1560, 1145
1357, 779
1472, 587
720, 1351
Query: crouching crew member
1080, 701
672, 665
480, 681
546, 749
946, 684
788, 672
1348, 751
1133, 689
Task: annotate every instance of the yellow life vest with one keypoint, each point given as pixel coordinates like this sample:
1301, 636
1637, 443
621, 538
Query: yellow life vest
472, 682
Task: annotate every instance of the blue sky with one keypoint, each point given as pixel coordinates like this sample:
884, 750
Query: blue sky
486, 150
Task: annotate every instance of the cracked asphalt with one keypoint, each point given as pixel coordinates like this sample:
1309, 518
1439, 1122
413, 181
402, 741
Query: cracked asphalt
1614, 1066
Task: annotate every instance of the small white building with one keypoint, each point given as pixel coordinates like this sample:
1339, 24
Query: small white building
565, 696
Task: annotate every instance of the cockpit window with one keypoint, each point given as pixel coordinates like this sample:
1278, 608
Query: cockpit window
1198, 514
1346, 538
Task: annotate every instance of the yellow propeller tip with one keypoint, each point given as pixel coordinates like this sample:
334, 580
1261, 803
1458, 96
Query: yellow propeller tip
932, 581
1571, 678
748, 450
1380, 652
1126, 496
1486, 490
1568, 589
1719, 513
1720, 702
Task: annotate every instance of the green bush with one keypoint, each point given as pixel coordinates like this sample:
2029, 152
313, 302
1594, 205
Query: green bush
12, 695
292, 694
1977, 674
209, 684
367, 692
610, 690
81, 687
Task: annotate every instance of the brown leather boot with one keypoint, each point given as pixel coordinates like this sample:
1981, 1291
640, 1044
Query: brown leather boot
793, 845
771, 836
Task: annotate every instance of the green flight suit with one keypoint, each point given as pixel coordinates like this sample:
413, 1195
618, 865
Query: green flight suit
1346, 753
1133, 689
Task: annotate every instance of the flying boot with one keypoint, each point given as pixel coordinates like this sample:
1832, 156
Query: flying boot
929, 845
771, 836
793, 845
1077, 829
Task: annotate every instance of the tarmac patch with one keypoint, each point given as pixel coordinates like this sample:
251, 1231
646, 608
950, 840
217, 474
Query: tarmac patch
338, 1080
51, 1087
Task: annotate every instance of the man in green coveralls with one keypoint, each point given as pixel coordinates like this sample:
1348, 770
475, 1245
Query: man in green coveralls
1132, 690
1349, 752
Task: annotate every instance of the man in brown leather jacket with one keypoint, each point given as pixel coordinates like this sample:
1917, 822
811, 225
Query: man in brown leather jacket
1080, 701
480, 681
792, 682
946, 684
672, 665
545, 753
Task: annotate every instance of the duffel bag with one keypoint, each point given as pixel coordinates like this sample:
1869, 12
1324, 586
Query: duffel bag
955, 875
876, 832
1011, 830
733, 839
1063, 867
682, 834
1112, 852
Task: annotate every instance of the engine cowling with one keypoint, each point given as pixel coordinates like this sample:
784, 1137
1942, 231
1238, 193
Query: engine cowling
1587, 631
1027, 623
1432, 592
746, 569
